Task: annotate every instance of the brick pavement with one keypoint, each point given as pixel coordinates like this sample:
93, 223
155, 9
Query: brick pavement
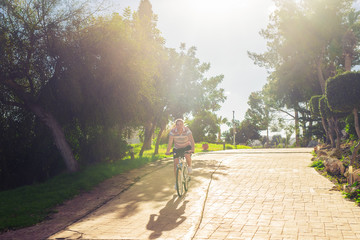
276, 196
253, 195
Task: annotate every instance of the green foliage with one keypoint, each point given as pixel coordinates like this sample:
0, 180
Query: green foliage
97, 76
300, 58
204, 127
187, 88
354, 195
21, 134
352, 148
246, 132
277, 140
314, 105
318, 165
350, 127
343, 92
258, 114
324, 109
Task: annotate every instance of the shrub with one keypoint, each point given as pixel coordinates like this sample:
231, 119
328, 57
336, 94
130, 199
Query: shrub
343, 92
314, 105
325, 111
318, 165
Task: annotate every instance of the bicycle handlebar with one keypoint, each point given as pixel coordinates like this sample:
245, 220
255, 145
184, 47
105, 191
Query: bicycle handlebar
184, 152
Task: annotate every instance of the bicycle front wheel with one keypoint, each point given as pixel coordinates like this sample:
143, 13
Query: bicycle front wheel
179, 181
186, 178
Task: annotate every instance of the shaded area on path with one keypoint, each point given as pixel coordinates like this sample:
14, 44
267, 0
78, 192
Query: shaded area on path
149, 208
169, 218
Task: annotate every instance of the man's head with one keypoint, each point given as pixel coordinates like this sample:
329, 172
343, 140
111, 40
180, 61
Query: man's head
179, 123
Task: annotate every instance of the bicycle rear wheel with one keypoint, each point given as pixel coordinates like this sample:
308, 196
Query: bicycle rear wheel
179, 181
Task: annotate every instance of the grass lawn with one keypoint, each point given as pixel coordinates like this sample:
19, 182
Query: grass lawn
28, 205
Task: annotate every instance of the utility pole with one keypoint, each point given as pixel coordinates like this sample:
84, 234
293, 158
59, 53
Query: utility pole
234, 131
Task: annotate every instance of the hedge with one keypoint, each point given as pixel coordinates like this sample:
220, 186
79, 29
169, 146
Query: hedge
343, 92
314, 105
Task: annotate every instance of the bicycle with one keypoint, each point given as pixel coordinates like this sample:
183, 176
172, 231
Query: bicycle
182, 174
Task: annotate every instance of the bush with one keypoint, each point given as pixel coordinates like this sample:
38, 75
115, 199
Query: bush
350, 127
325, 111
343, 92
314, 105
318, 165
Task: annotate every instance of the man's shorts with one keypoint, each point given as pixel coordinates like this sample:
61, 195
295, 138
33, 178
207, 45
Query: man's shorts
180, 151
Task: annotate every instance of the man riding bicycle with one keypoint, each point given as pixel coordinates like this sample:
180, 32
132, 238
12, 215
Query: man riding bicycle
183, 141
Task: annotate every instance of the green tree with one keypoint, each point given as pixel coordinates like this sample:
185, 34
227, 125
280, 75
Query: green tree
152, 45
326, 113
204, 127
304, 48
315, 111
288, 128
246, 132
30, 32
343, 95
190, 91
259, 113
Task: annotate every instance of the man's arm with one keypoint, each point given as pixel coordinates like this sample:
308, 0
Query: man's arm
192, 143
170, 143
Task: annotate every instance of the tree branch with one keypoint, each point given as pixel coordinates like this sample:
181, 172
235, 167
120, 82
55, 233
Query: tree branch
11, 103
283, 111
18, 90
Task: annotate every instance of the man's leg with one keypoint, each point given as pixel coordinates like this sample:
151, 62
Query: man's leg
188, 160
176, 161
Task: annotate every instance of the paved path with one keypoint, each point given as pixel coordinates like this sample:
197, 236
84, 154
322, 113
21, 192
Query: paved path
276, 196
247, 194
252, 194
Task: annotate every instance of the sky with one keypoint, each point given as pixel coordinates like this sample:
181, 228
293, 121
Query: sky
223, 32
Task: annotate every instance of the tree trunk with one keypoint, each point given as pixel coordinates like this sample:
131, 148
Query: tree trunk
357, 147
149, 129
162, 128
331, 131
348, 61
354, 154
337, 131
319, 71
297, 128
58, 135
356, 119
326, 130
305, 140
310, 131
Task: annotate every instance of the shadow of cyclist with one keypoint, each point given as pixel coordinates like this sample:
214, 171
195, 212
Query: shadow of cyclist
169, 217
